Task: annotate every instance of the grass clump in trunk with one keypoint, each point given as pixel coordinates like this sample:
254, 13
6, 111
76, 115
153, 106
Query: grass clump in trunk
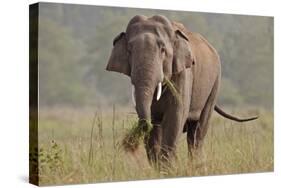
136, 135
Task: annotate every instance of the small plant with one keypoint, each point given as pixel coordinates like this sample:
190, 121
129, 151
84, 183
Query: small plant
50, 159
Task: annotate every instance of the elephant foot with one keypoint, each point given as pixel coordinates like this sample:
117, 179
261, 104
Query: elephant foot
167, 160
197, 161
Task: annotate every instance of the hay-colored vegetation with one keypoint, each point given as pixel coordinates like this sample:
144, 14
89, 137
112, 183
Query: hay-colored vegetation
83, 146
135, 135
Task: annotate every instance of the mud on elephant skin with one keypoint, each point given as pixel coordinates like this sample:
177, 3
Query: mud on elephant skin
154, 49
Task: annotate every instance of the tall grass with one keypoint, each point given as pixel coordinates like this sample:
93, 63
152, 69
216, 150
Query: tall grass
83, 148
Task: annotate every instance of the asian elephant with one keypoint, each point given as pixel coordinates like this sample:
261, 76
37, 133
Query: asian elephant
153, 49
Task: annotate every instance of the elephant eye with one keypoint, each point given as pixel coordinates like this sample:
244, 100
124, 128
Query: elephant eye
161, 46
163, 51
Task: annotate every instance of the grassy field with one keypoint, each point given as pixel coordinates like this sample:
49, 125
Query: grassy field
83, 146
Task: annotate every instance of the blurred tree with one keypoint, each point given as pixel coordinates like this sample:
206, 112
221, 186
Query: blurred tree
60, 72
76, 41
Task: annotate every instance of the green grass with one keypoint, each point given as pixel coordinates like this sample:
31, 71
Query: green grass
84, 146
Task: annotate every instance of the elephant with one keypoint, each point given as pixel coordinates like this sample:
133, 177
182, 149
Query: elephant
153, 49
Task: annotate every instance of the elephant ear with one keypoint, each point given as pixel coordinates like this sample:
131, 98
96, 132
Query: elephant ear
182, 53
118, 61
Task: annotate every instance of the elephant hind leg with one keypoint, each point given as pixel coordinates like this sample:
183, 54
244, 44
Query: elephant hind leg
192, 128
196, 130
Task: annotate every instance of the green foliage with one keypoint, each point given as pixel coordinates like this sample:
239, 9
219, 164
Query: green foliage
75, 43
60, 72
50, 159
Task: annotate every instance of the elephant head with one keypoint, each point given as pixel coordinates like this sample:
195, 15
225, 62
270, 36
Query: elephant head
150, 49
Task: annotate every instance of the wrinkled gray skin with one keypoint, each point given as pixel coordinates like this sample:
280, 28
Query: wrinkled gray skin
152, 48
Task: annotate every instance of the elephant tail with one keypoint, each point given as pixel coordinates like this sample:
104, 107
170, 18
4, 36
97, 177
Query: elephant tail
231, 117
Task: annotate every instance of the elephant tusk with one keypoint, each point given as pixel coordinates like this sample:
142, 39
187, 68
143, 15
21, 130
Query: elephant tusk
133, 95
159, 90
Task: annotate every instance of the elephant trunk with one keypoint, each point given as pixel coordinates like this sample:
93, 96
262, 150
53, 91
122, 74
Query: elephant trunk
146, 73
144, 96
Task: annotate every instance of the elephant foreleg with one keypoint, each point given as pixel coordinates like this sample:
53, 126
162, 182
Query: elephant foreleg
153, 144
172, 127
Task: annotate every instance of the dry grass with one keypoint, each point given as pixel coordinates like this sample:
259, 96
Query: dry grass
84, 146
